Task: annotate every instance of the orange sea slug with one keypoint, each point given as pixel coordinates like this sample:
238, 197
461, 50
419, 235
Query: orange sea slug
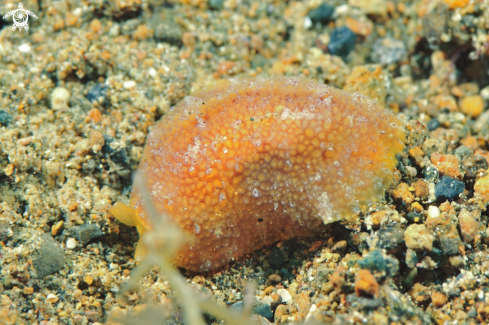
250, 163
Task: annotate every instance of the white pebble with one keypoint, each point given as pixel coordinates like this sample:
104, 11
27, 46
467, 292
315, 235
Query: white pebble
433, 212
71, 243
24, 48
52, 297
152, 72
267, 300
310, 313
481, 121
411, 171
284, 294
340, 10
115, 288
485, 93
115, 30
60, 98
129, 84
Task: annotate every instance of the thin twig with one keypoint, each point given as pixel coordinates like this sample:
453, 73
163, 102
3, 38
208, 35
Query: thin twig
229, 317
162, 241
186, 298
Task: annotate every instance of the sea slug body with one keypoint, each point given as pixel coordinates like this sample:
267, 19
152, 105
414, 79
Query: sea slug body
250, 163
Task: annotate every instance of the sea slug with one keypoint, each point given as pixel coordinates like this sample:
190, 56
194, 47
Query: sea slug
250, 163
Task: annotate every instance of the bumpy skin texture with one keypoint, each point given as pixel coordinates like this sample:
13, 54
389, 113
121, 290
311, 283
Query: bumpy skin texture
251, 163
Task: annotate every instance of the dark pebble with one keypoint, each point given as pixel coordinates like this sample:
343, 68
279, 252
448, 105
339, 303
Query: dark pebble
97, 93
342, 41
85, 233
408, 277
276, 257
430, 174
264, 311
438, 256
118, 156
4, 24
169, 32
472, 165
106, 148
448, 188
411, 217
462, 152
5, 118
433, 124
391, 236
322, 14
50, 258
369, 304
216, 4
449, 245
373, 261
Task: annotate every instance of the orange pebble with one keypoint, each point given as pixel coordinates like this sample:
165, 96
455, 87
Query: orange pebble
96, 25
470, 142
439, 299
453, 4
483, 153
246, 164
105, 55
401, 193
71, 19
95, 115
472, 105
447, 165
142, 32
363, 28
366, 285
225, 67
445, 102
481, 189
